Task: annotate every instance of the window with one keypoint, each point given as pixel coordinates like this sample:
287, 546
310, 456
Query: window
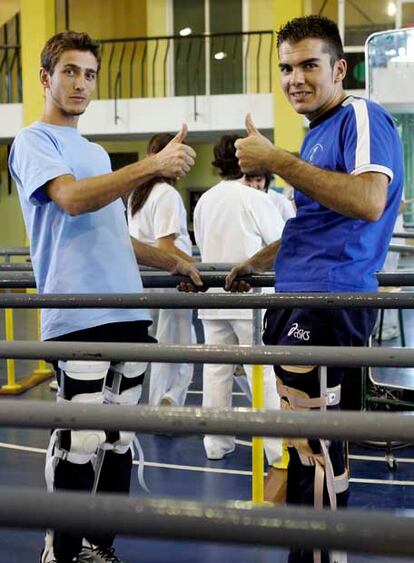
209, 64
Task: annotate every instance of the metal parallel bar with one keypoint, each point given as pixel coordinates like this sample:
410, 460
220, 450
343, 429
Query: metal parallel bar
131, 72
233, 521
331, 425
15, 279
408, 249
154, 62
15, 251
335, 356
403, 235
386, 300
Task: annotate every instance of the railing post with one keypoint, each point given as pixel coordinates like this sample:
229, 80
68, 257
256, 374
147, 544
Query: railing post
11, 372
257, 403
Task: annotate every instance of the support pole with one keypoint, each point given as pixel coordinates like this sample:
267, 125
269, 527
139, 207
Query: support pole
11, 385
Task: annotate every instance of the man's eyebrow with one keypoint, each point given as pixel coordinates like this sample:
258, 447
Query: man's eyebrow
301, 63
76, 67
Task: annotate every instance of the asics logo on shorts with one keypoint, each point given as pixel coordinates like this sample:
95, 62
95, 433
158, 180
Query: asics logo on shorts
299, 333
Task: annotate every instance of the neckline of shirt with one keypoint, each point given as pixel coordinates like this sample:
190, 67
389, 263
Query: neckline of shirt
328, 113
57, 127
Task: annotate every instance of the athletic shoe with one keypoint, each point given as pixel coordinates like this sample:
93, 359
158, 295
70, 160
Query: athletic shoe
98, 555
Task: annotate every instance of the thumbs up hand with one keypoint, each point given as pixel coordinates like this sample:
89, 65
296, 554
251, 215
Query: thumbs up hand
176, 159
254, 152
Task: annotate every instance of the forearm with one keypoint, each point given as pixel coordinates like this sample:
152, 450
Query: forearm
264, 259
153, 256
91, 194
167, 245
355, 196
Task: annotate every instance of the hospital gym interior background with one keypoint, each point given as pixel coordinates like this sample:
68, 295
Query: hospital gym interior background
206, 63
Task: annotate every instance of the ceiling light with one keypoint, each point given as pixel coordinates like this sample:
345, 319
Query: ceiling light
185, 31
220, 55
391, 9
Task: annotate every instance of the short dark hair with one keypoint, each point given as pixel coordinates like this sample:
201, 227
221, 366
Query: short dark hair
67, 41
225, 157
267, 176
313, 27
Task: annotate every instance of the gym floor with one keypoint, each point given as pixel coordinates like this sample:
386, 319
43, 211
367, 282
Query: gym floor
176, 467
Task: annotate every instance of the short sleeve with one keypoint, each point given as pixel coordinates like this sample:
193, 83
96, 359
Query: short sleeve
268, 219
166, 214
368, 139
34, 160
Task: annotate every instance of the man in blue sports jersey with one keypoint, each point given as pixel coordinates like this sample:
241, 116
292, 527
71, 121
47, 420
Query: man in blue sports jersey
348, 186
79, 243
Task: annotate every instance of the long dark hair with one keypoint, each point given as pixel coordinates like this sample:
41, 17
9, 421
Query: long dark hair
140, 195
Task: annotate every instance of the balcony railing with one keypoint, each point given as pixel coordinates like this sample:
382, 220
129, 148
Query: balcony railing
10, 65
151, 67
217, 63
10, 74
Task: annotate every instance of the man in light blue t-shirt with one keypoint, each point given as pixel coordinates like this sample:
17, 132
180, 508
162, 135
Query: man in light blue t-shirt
79, 243
348, 185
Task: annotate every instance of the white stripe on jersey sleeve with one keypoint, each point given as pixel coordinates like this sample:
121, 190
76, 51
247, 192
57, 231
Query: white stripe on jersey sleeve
363, 146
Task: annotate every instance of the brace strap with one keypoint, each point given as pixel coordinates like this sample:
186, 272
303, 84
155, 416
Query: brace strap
300, 400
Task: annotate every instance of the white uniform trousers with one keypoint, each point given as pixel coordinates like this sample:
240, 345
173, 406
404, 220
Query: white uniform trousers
218, 383
171, 381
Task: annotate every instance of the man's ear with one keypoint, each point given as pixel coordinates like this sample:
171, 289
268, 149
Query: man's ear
44, 77
340, 70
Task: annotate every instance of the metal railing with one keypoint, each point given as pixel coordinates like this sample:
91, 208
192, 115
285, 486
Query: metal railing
23, 279
170, 65
213, 63
10, 62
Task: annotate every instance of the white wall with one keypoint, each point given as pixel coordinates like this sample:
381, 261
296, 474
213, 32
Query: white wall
144, 116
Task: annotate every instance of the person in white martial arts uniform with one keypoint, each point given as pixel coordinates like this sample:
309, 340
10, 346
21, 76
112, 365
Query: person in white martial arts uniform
390, 323
157, 216
79, 243
261, 181
232, 221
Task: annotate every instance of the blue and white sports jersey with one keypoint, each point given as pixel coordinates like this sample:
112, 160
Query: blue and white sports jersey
89, 253
322, 250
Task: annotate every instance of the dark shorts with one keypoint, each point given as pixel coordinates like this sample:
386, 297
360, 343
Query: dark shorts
320, 327
129, 331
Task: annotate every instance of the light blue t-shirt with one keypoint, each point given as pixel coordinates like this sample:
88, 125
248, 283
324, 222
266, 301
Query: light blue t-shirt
322, 250
89, 253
